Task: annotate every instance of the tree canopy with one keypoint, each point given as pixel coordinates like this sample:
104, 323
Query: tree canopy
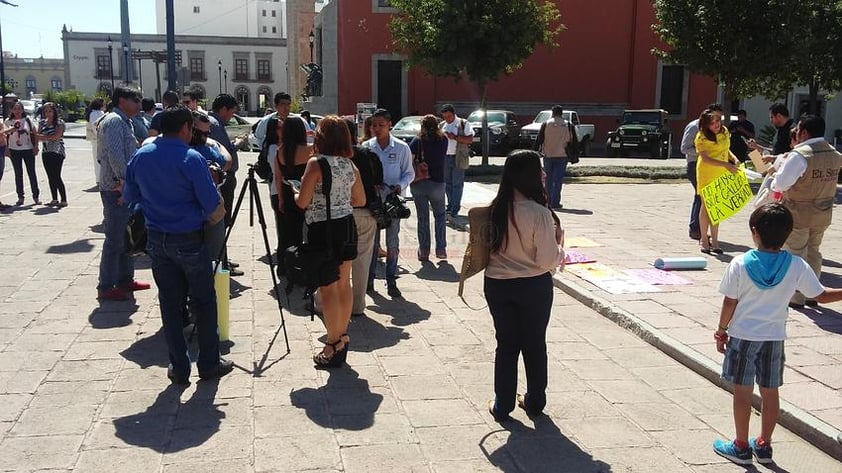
754, 46
480, 39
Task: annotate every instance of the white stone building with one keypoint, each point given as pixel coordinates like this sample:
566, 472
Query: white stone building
248, 18
250, 69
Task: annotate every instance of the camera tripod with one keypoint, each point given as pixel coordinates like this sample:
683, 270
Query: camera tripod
250, 185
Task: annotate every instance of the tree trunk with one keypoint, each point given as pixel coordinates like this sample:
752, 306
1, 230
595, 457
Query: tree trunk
485, 135
813, 107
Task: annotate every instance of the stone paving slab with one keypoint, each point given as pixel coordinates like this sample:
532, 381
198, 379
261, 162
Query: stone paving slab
84, 387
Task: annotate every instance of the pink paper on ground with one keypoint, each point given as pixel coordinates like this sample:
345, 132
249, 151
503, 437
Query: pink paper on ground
572, 256
658, 277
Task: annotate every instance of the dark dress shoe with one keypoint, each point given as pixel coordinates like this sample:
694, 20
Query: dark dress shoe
224, 367
235, 272
793, 305
181, 380
811, 303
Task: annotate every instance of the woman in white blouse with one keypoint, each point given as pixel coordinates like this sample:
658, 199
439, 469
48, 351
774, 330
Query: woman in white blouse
525, 252
94, 114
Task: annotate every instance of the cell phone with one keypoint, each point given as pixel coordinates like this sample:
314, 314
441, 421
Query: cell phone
294, 183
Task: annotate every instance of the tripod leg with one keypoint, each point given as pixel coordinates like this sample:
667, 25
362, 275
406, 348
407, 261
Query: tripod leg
233, 220
258, 206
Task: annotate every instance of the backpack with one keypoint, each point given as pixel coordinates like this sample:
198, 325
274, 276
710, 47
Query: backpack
371, 173
262, 167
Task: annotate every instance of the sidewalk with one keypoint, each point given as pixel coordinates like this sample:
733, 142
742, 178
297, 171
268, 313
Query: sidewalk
83, 386
637, 223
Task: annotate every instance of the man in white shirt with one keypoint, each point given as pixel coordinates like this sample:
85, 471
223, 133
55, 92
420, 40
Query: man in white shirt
807, 179
460, 135
398, 173
283, 104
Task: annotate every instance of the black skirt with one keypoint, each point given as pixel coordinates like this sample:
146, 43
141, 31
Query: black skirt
343, 235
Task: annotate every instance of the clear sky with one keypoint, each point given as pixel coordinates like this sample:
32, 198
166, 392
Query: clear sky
34, 27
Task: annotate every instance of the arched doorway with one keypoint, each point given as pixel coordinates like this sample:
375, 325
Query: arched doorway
264, 99
241, 93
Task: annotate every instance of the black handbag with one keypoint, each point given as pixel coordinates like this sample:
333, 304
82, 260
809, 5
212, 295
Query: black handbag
262, 167
312, 265
135, 237
572, 147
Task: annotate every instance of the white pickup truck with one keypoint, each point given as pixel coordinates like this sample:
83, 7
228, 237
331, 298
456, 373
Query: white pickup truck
585, 133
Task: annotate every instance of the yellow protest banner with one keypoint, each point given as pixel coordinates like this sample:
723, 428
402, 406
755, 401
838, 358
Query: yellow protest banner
726, 195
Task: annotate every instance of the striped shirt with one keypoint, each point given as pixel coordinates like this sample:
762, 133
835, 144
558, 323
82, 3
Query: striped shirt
117, 144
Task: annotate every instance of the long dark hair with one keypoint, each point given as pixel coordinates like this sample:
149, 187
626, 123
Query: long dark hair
522, 173
293, 135
271, 137
52, 106
705, 119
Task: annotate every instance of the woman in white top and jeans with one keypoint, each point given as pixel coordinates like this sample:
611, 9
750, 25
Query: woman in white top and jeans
525, 252
22, 147
333, 142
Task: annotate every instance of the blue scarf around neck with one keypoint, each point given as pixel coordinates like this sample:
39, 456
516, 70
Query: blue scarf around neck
765, 269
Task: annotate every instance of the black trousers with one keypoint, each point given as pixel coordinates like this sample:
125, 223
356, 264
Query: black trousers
521, 311
52, 164
19, 158
227, 190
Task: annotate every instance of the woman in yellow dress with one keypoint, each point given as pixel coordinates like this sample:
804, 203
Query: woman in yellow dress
712, 143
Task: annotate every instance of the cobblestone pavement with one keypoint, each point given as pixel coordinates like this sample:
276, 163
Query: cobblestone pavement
83, 385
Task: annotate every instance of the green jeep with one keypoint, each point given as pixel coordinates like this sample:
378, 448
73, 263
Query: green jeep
641, 131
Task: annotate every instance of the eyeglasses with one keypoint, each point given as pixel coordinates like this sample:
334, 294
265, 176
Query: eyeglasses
201, 133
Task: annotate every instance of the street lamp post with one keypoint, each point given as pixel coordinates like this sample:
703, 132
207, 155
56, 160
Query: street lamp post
126, 64
225, 73
140, 71
110, 63
312, 39
219, 66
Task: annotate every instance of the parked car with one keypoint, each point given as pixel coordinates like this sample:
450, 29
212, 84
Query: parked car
585, 133
238, 126
503, 130
407, 128
643, 131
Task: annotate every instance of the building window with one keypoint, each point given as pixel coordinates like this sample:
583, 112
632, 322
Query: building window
55, 84
274, 29
264, 70
672, 91
103, 67
197, 68
241, 69
264, 29
264, 12
30, 84
384, 3
273, 13
195, 9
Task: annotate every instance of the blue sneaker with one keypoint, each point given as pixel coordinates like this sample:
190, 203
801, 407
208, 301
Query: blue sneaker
763, 454
730, 451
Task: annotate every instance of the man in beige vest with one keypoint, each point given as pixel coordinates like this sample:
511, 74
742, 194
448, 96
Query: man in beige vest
552, 141
808, 180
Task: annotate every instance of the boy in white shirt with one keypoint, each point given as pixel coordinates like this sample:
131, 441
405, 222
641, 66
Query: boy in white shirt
757, 287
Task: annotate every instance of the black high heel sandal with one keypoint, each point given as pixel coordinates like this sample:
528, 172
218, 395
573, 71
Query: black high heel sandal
336, 359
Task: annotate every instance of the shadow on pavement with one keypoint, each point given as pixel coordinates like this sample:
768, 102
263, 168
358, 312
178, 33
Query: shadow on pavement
149, 351
824, 318
368, 335
112, 314
45, 210
404, 312
539, 449
98, 228
78, 246
575, 211
443, 272
196, 421
344, 402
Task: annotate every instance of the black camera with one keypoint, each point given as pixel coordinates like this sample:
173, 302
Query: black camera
395, 206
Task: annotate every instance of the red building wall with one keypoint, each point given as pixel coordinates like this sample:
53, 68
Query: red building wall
603, 64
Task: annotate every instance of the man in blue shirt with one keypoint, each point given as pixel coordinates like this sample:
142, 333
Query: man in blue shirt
398, 173
178, 197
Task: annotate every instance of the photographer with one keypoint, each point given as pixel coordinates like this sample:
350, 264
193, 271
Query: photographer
396, 158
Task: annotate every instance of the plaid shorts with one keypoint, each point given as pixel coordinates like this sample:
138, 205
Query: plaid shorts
747, 361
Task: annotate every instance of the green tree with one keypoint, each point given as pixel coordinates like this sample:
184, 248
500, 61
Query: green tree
737, 42
814, 31
480, 39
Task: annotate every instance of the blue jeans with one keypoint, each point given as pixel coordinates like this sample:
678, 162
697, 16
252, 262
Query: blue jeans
19, 159
116, 268
697, 200
454, 183
520, 308
556, 169
392, 251
427, 193
181, 266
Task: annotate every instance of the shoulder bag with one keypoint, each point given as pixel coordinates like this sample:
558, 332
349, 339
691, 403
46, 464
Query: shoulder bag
572, 148
463, 151
422, 170
479, 244
309, 265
